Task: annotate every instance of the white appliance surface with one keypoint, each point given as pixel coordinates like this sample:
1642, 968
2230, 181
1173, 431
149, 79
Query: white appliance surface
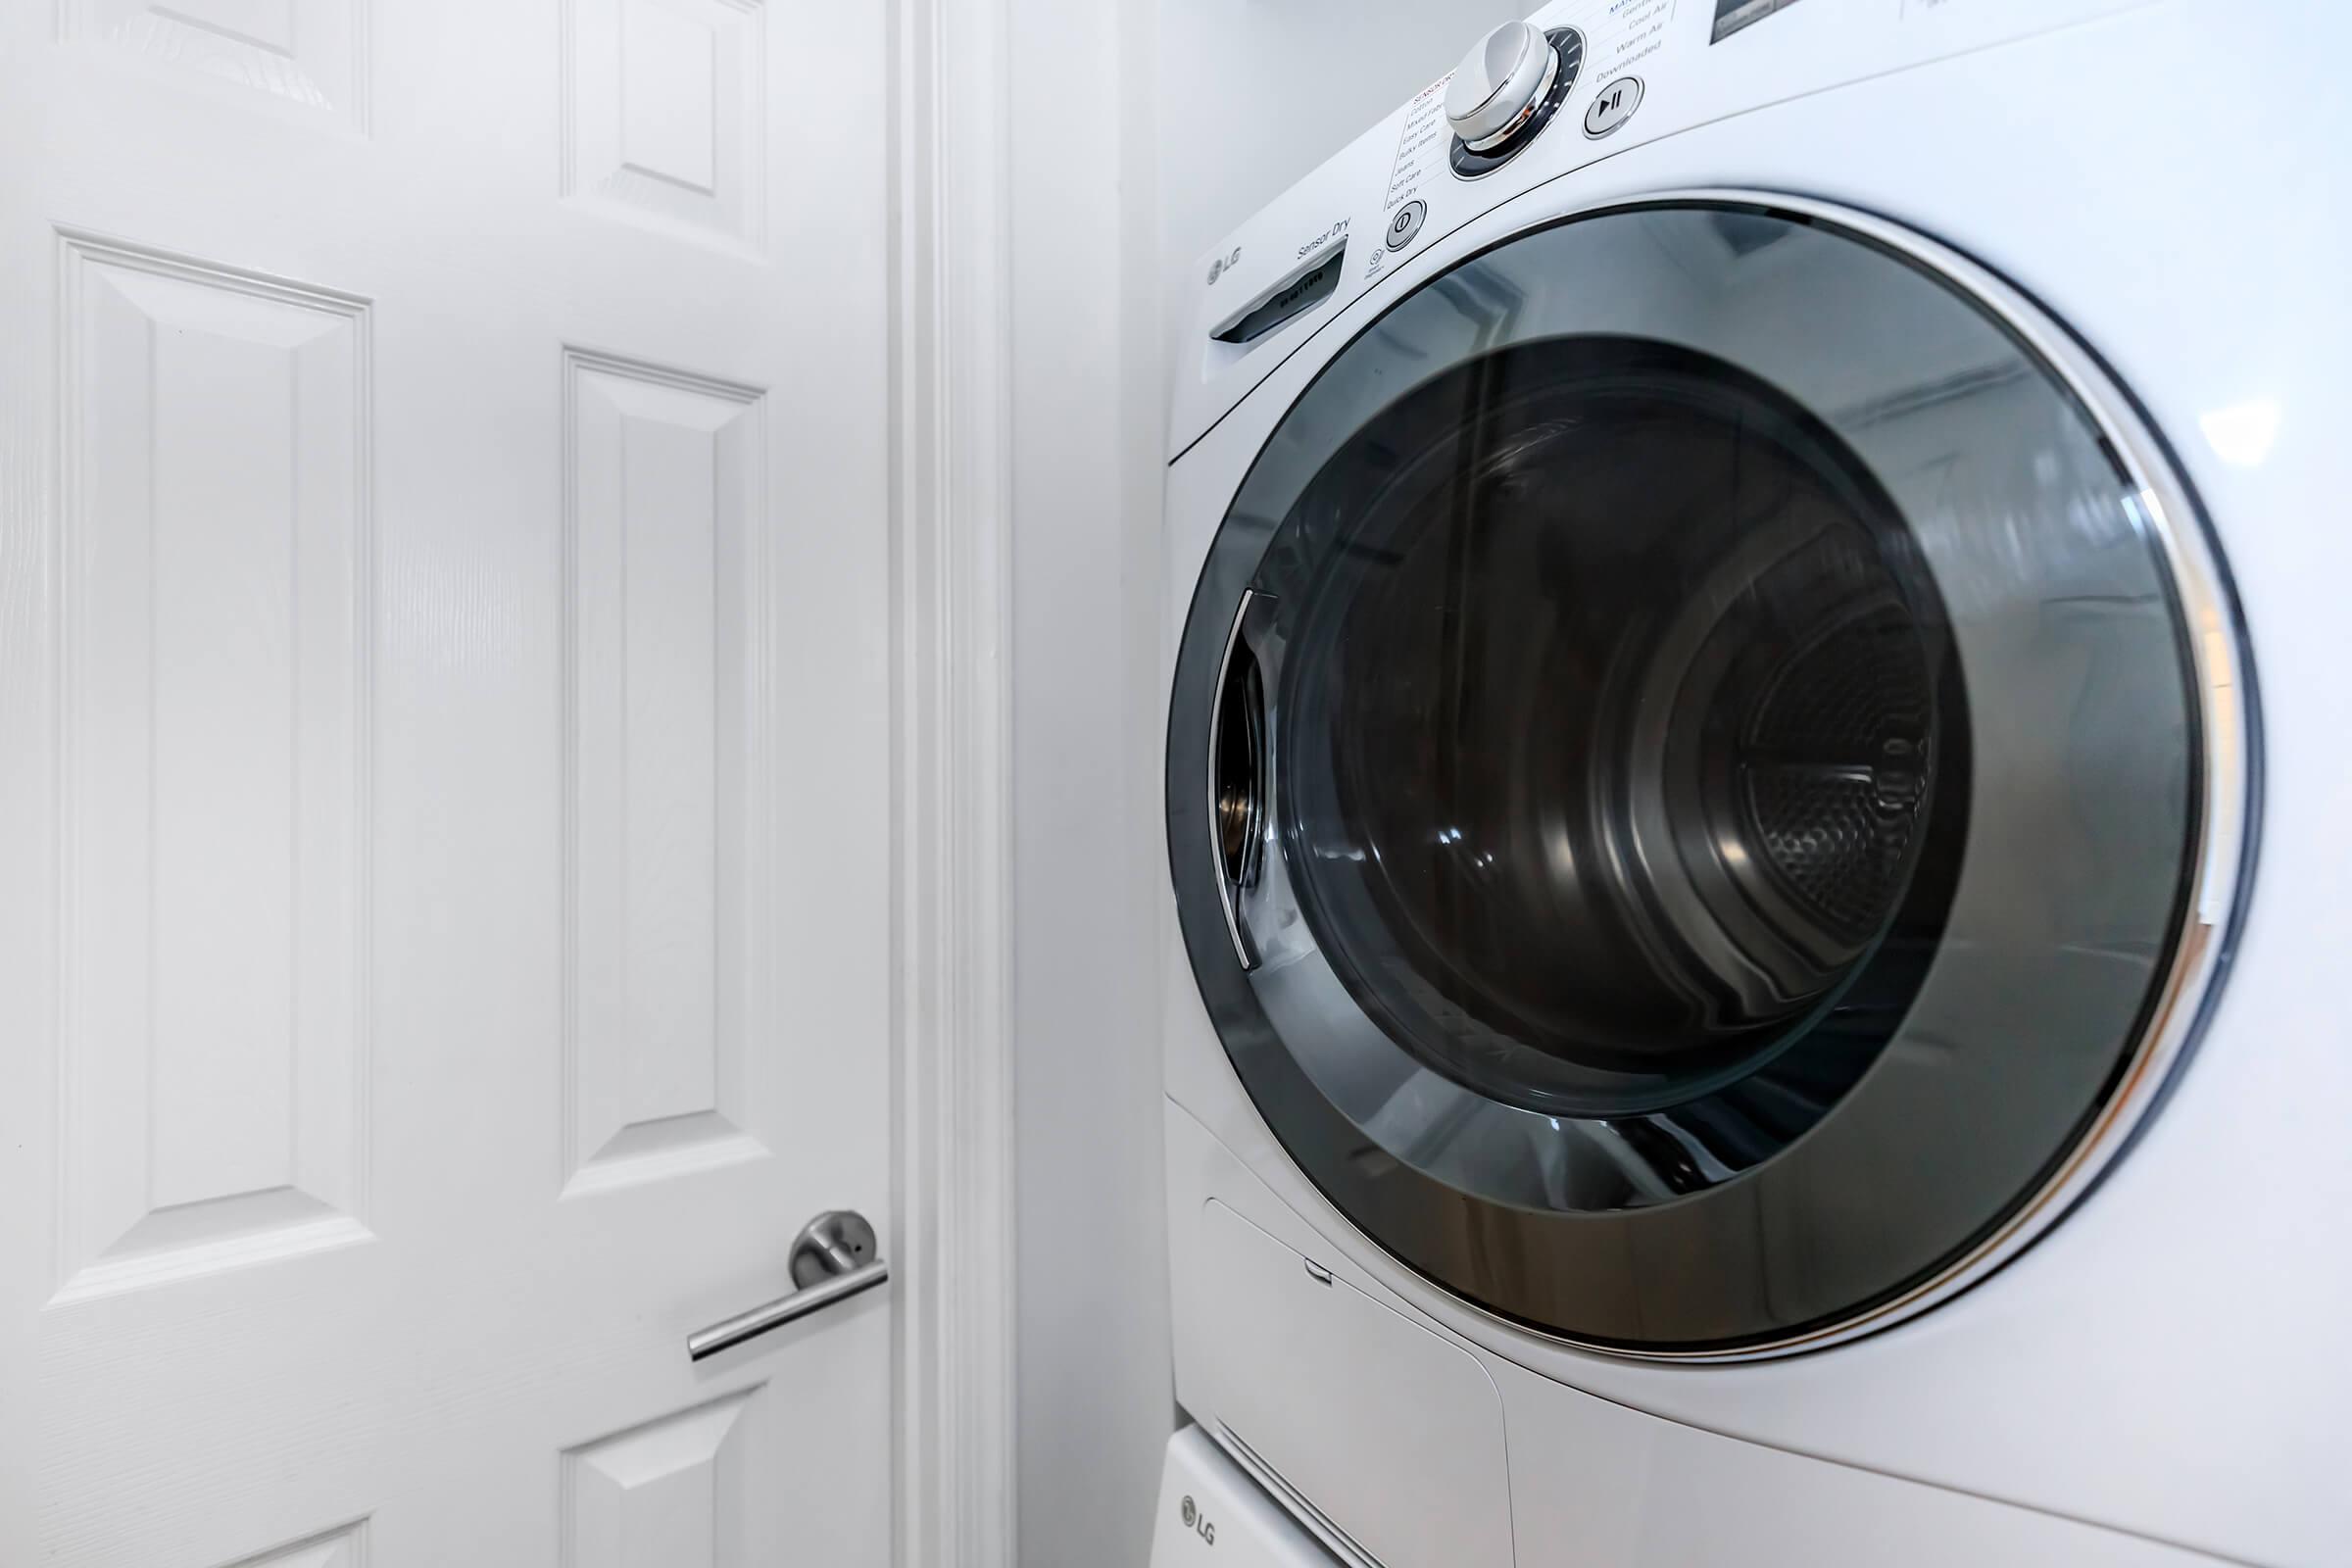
1211, 1515
1419, 1444
2164, 1374
1592, 1481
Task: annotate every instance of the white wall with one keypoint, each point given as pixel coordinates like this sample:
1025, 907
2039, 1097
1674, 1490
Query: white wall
1093, 1378
1141, 131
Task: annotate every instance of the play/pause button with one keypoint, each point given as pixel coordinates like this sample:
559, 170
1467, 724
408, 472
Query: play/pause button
1612, 105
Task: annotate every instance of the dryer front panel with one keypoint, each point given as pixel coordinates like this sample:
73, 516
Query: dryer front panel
1706, 776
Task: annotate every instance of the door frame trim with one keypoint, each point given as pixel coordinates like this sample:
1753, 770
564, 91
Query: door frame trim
953, 1454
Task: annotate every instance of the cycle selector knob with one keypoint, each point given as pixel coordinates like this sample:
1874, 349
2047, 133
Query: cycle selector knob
1499, 83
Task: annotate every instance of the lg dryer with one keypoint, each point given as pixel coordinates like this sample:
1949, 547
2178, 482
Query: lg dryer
1712, 784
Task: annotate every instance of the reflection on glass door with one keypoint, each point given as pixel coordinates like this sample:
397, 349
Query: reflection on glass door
1694, 805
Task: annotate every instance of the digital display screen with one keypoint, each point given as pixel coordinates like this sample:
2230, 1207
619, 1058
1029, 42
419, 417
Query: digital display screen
1732, 14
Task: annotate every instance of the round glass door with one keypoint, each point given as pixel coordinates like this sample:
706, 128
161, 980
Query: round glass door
1705, 778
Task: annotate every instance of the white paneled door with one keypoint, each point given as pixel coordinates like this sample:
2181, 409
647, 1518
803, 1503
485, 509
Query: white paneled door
445, 794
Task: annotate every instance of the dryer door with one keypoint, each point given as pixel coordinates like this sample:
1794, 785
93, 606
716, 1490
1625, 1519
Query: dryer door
1706, 776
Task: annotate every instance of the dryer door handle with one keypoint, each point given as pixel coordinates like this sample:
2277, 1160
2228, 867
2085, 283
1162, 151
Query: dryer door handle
1240, 777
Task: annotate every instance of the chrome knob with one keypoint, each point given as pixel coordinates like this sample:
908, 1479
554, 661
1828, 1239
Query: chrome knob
1499, 83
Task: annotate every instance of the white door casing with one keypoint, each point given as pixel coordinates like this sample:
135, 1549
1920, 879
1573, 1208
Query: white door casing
447, 810
952, 409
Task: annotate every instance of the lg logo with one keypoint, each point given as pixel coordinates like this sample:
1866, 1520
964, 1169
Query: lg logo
1198, 1522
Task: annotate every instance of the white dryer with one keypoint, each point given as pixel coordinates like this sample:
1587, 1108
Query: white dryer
1720, 1008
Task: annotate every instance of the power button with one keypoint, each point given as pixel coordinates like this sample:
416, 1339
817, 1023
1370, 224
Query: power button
1406, 223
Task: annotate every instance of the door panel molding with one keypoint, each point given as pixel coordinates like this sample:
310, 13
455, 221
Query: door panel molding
669, 749
215, 705
955, 1418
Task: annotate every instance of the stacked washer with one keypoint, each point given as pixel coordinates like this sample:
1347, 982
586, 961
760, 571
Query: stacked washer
1712, 781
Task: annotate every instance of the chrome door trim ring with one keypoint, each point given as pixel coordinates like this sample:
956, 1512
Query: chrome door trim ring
2220, 861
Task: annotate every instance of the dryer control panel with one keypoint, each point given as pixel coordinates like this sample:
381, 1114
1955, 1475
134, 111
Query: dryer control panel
1619, 74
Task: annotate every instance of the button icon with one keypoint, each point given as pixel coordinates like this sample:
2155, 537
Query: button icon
1612, 105
1406, 223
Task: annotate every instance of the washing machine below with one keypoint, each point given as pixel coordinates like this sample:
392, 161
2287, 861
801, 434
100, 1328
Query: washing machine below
1212, 1515
1719, 1009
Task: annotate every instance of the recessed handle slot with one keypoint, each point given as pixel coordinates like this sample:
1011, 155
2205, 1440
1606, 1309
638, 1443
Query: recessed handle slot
1238, 780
